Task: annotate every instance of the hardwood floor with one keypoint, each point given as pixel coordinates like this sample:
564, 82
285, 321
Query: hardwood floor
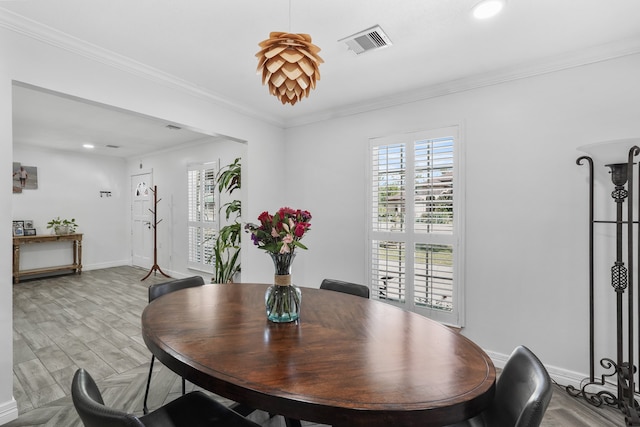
93, 321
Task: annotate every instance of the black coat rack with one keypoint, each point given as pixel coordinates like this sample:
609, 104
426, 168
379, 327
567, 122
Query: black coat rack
154, 211
624, 367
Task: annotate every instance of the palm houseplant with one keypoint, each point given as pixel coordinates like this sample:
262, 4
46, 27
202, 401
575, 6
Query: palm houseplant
226, 247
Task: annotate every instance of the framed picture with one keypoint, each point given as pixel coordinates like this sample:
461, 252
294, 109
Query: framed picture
29, 231
28, 223
18, 231
17, 224
24, 177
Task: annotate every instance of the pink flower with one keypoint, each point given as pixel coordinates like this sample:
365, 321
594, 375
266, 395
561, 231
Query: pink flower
286, 241
274, 233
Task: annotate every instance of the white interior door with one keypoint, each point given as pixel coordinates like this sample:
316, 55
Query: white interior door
141, 218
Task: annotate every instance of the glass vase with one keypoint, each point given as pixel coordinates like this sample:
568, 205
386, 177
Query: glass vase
282, 299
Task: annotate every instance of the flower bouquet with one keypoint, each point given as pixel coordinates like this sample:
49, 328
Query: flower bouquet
279, 235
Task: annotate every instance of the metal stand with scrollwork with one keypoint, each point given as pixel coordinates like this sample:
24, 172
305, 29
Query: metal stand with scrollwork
154, 211
624, 368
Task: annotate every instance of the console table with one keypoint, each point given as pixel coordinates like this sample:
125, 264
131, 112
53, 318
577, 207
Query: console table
18, 241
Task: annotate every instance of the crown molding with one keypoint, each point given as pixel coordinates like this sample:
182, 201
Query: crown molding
553, 64
45, 34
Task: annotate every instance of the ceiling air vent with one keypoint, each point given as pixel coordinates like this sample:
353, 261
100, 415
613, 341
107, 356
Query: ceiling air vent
365, 41
112, 146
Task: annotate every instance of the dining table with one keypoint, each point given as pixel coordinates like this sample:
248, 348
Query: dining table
347, 361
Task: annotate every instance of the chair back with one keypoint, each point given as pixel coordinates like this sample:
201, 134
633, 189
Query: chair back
90, 407
523, 392
345, 287
160, 289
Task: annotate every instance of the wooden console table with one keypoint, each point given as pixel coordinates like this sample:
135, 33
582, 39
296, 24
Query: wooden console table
23, 240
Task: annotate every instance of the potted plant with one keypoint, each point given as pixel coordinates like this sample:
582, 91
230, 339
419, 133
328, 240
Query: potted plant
63, 226
226, 248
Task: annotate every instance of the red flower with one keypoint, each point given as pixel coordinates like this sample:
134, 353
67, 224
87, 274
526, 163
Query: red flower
301, 227
285, 211
265, 218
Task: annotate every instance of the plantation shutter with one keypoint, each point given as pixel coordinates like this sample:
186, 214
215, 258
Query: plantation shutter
413, 233
202, 215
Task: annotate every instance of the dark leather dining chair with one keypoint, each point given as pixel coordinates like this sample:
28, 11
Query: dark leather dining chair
345, 287
523, 392
194, 409
156, 291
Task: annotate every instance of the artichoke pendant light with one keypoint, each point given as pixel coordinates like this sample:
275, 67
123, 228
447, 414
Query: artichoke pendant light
289, 65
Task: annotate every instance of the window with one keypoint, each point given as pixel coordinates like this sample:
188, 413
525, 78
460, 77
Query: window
202, 215
414, 223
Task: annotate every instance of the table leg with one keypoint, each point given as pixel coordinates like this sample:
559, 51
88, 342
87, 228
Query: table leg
78, 250
16, 263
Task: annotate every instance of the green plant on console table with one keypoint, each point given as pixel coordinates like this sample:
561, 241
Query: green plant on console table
63, 226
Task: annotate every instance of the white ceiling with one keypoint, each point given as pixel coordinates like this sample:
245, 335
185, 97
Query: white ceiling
209, 46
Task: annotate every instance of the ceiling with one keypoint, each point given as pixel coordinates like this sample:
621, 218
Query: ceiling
208, 47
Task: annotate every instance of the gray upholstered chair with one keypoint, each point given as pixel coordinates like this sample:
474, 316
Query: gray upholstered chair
194, 409
523, 392
156, 291
345, 287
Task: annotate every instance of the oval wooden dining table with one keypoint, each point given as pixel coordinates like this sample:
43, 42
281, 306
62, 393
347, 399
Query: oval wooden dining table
348, 361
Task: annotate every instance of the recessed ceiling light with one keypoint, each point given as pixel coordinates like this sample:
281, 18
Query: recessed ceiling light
487, 8
89, 146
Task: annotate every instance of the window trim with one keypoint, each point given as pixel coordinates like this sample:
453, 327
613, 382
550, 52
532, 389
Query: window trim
457, 316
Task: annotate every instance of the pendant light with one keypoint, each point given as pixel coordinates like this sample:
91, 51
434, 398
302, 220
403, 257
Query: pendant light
289, 65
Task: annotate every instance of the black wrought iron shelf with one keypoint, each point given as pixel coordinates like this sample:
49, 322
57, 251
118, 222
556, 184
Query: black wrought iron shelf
616, 222
624, 368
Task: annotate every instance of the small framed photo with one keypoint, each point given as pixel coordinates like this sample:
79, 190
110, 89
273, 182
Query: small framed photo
28, 223
18, 231
29, 231
17, 224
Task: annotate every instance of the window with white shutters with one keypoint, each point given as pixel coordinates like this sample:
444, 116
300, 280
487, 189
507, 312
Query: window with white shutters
415, 217
202, 215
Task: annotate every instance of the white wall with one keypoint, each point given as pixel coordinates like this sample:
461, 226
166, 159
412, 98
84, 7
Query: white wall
8, 407
526, 217
40, 64
69, 186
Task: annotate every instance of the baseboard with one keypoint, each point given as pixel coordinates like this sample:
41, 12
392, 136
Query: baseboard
171, 273
174, 274
562, 377
110, 264
8, 411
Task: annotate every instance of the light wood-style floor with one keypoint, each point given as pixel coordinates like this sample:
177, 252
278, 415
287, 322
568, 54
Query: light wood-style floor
93, 321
